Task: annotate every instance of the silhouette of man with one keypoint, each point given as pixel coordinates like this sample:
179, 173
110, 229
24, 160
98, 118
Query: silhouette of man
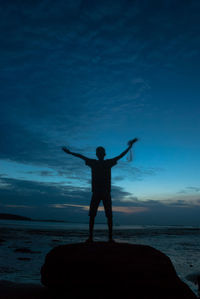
101, 183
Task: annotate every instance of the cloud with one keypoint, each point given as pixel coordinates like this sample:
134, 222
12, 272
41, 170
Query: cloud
118, 178
125, 40
57, 201
43, 173
195, 189
21, 191
57, 44
4, 185
189, 190
126, 170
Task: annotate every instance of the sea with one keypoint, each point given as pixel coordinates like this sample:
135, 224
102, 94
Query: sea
24, 245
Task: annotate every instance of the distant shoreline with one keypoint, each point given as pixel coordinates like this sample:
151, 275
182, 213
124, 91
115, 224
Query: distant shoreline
15, 217
6, 216
9, 289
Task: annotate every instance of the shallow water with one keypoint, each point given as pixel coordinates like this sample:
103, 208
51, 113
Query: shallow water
181, 244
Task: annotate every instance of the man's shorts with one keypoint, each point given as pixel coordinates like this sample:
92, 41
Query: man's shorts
95, 201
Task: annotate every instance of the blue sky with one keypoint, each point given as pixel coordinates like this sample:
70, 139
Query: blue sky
90, 73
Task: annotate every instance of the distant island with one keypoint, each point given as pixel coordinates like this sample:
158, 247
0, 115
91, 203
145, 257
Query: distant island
5, 216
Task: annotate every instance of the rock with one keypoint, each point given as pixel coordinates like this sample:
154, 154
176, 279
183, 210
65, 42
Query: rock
11, 290
112, 270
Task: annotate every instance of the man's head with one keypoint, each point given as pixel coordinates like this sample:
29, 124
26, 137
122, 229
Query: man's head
100, 152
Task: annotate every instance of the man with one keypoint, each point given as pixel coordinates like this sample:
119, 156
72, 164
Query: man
101, 183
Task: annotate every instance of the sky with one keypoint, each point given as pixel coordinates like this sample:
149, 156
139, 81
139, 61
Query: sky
90, 73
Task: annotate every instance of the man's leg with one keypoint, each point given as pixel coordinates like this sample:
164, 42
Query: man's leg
110, 228
108, 210
92, 213
91, 226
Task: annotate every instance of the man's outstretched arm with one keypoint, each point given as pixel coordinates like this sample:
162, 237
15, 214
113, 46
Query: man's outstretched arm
67, 151
130, 144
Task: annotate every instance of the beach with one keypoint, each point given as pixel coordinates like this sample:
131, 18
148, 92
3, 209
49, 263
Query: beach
24, 245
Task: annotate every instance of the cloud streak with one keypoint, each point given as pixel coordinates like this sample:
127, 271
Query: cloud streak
67, 202
118, 209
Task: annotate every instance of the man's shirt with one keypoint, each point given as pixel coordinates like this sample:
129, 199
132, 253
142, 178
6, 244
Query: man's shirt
101, 174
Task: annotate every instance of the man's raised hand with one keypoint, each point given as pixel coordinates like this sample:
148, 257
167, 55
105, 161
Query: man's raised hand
130, 143
66, 150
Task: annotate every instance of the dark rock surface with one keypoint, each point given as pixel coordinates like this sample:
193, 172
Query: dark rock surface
11, 290
112, 270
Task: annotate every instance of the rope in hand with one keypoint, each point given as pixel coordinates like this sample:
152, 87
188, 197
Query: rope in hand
130, 156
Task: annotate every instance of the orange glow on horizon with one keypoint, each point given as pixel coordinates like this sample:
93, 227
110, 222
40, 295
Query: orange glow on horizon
119, 209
